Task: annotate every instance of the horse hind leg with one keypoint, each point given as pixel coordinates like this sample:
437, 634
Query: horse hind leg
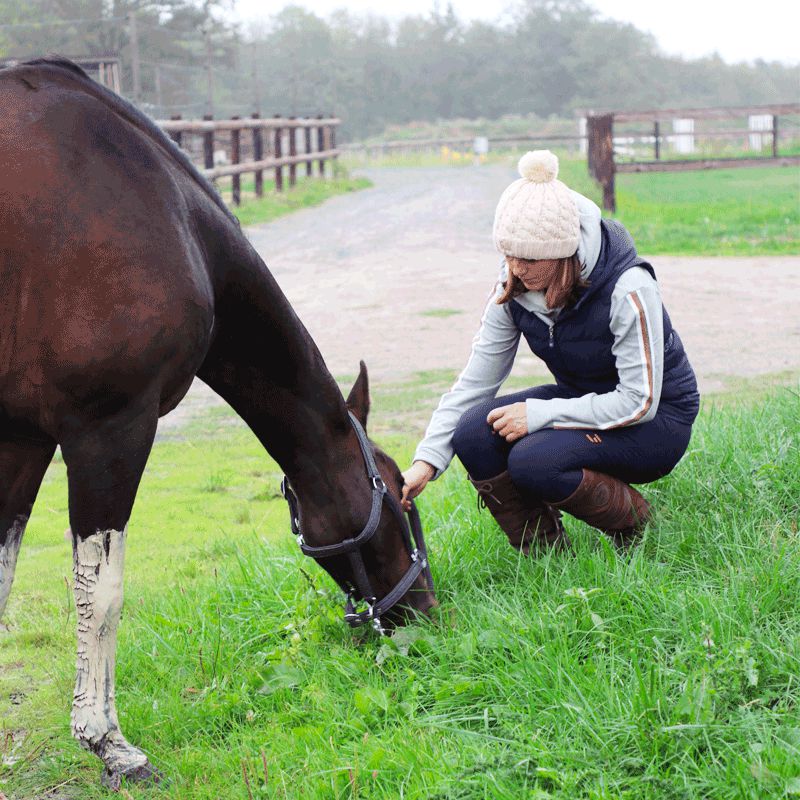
104, 465
22, 467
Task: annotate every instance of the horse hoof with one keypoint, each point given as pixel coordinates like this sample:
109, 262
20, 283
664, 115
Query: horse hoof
144, 773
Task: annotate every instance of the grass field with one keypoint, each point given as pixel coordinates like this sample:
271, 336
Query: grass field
670, 675
742, 212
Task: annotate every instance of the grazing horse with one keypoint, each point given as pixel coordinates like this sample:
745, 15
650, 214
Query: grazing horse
124, 276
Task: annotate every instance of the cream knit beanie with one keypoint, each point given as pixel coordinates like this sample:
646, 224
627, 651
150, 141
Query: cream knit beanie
536, 216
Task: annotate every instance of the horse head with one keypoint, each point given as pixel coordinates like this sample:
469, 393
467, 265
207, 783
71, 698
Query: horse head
382, 569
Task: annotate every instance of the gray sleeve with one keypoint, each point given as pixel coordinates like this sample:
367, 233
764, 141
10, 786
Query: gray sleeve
493, 349
638, 326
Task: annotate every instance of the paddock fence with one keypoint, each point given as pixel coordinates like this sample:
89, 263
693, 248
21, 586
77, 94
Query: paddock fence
617, 143
276, 145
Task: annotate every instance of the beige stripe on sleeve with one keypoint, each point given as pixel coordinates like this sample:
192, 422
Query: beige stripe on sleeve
648, 358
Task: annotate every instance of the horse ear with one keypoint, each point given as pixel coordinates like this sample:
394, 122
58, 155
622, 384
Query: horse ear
358, 399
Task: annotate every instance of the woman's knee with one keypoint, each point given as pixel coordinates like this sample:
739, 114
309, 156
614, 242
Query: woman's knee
472, 430
482, 453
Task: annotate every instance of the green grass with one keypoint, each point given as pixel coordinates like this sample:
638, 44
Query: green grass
306, 193
440, 312
669, 675
753, 211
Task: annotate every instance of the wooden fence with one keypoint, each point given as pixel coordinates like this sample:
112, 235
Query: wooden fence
603, 143
233, 147
462, 145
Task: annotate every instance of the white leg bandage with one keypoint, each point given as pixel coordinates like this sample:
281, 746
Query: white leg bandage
8, 559
98, 566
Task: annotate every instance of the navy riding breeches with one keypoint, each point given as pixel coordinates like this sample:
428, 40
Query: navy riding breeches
547, 464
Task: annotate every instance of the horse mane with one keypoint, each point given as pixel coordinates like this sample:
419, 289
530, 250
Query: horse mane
125, 109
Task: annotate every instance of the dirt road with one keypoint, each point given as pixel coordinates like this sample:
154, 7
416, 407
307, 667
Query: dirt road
398, 275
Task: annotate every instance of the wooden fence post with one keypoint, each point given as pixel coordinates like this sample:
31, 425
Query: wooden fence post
278, 153
258, 155
292, 151
774, 135
208, 145
657, 134
236, 157
321, 146
177, 136
309, 162
601, 156
332, 140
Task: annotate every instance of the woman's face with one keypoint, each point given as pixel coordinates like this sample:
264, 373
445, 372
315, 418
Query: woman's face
536, 274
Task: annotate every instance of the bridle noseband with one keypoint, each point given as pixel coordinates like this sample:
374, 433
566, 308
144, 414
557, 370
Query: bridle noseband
412, 537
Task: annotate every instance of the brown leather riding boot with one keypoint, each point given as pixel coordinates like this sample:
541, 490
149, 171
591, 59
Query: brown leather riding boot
525, 524
611, 505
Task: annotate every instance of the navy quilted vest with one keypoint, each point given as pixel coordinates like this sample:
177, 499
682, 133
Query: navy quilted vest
577, 348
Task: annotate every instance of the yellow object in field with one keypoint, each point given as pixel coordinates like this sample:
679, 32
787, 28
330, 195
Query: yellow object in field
445, 152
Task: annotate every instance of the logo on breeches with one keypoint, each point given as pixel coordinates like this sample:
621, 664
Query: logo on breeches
594, 438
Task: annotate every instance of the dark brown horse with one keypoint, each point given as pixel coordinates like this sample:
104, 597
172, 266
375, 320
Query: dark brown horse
123, 276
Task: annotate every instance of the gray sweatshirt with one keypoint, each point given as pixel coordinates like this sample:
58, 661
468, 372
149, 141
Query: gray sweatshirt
495, 345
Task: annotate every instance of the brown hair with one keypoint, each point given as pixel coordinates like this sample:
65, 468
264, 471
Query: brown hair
563, 291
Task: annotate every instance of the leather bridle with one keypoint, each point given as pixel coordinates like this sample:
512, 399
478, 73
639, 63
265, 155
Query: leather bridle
362, 588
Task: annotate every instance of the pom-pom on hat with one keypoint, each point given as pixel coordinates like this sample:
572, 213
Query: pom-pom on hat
536, 216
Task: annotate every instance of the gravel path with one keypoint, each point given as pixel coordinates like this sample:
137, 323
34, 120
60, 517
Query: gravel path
398, 275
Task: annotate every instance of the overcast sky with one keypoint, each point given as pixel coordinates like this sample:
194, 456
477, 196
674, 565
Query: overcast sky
738, 31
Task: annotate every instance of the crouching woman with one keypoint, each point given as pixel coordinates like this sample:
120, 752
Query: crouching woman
625, 396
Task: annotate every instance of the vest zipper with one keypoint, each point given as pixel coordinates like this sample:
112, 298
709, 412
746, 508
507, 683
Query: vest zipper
551, 335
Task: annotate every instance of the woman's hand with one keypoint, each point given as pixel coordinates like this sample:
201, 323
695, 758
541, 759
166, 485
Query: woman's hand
416, 478
511, 422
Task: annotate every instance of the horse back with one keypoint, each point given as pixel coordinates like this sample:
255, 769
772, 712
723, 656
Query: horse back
109, 291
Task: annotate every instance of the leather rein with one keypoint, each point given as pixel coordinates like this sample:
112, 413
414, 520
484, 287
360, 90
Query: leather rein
412, 537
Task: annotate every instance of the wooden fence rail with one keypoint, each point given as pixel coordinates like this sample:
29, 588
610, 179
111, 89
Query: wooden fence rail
256, 145
462, 144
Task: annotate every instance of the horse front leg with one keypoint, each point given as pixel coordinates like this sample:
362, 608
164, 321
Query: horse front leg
22, 466
104, 468
98, 563
9, 551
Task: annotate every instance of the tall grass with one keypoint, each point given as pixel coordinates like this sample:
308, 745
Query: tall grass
671, 674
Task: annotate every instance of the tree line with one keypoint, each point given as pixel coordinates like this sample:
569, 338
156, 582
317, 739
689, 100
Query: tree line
543, 58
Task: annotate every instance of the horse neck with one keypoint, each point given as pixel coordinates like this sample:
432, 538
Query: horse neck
264, 362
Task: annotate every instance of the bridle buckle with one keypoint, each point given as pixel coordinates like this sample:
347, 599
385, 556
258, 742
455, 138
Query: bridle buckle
376, 624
